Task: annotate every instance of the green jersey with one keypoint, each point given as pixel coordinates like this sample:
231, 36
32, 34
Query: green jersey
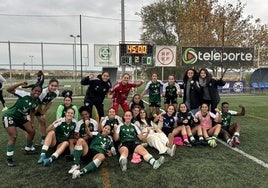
64, 130
101, 143
47, 96
81, 127
171, 91
111, 122
226, 119
128, 133
23, 106
154, 91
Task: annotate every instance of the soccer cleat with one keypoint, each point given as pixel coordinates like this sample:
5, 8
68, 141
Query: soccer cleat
10, 163
74, 167
41, 159
47, 162
158, 162
203, 142
232, 142
30, 150
236, 140
113, 151
186, 143
76, 174
193, 142
123, 164
4, 109
212, 143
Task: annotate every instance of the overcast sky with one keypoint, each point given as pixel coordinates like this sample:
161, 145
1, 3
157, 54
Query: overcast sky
55, 20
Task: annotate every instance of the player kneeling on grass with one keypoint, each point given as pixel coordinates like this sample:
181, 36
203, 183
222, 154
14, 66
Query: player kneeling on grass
100, 146
229, 129
209, 123
59, 133
128, 134
21, 115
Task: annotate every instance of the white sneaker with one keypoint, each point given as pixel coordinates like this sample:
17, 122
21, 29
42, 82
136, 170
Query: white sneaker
123, 164
158, 162
76, 174
4, 109
171, 151
113, 151
74, 167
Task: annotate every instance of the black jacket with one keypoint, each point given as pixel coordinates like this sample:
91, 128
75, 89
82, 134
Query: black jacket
195, 94
97, 89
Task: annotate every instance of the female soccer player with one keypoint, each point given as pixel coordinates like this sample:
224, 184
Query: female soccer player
154, 87
48, 95
120, 92
93, 154
21, 115
128, 134
40, 80
230, 131
171, 91
191, 123
97, 90
59, 133
210, 129
154, 136
67, 94
136, 101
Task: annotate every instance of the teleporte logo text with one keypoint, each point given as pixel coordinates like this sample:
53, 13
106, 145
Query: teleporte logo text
208, 54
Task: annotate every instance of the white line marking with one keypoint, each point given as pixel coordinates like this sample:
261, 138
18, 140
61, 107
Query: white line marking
260, 162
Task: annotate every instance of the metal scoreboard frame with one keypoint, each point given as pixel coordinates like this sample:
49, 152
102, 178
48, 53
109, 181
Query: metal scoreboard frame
133, 54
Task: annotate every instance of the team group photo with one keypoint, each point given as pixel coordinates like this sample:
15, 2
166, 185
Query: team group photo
184, 105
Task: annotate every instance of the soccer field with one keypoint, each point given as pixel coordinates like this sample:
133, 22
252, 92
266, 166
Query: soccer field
199, 166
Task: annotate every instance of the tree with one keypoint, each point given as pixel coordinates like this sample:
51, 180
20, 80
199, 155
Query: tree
200, 23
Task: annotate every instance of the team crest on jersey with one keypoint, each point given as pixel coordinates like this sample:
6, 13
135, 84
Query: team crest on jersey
10, 121
131, 129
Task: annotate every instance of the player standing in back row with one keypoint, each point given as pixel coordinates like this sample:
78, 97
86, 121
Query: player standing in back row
120, 92
154, 86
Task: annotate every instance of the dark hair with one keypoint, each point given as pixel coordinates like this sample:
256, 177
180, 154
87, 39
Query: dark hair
185, 105
69, 109
40, 73
82, 109
208, 75
223, 103
146, 118
195, 76
53, 80
67, 93
37, 85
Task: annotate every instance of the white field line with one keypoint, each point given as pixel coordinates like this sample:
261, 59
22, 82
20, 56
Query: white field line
258, 161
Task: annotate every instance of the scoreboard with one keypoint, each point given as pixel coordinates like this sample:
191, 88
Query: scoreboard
136, 54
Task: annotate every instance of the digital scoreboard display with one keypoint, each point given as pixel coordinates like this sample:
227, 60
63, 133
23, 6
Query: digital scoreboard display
136, 49
136, 54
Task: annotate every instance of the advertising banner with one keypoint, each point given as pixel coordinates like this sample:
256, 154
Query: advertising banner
233, 87
105, 55
217, 56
